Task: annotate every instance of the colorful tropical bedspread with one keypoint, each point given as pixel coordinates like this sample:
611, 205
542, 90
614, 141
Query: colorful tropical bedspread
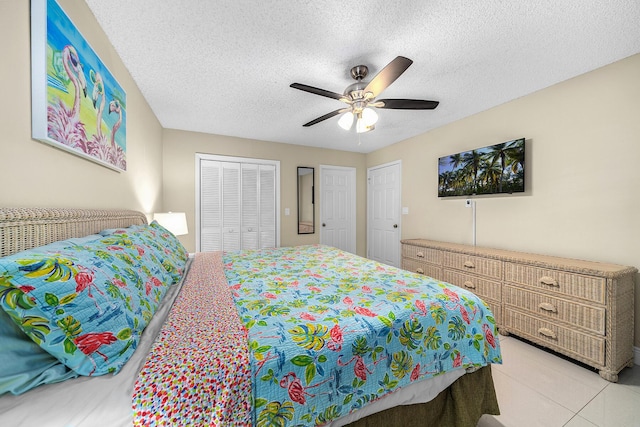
329, 331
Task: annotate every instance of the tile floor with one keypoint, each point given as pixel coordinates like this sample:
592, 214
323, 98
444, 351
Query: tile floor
537, 388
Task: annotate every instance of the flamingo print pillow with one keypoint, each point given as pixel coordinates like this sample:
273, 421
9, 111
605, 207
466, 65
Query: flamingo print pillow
162, 242
86, 304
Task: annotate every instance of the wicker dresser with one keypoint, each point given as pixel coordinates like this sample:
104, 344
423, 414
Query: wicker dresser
578, 308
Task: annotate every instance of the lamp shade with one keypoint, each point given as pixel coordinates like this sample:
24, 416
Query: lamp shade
175, 222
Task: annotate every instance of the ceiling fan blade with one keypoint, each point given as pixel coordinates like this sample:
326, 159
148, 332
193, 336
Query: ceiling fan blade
325, 117
387, 75
407, 104
318, 91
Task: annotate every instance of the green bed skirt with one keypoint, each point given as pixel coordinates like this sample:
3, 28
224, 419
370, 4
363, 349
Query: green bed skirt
460, 405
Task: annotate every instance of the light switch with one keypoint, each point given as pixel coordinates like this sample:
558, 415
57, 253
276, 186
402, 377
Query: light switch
405, 210
287, 211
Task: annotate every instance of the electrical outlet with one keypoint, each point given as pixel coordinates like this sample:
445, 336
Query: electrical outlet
468, 203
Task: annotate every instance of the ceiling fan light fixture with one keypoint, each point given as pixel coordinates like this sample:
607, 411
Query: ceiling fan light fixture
361, 126
369, 117
366, 120
346, 121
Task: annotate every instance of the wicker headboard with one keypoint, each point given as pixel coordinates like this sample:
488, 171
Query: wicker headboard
25, 228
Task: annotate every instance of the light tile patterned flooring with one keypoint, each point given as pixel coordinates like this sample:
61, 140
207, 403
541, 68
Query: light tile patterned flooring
537, 388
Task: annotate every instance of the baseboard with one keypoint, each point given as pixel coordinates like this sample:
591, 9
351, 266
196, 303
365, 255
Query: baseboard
636, 355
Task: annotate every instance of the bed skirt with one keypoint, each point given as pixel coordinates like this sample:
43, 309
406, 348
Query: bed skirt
460, 405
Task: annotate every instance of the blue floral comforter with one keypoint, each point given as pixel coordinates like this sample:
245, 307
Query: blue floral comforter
330, 331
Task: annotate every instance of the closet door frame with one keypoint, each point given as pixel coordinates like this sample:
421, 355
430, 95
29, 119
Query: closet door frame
247, 160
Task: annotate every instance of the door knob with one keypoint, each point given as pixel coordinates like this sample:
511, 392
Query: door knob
395, 225
324, 225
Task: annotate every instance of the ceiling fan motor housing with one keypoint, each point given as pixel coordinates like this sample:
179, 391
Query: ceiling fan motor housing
355, 90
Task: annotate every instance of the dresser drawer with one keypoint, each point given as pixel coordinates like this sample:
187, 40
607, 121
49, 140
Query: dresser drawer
482, 287
565, 340
473, 264
422, 267
421, 254
590, 317
559, 282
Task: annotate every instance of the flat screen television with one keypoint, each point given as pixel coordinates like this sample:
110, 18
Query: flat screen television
494, 169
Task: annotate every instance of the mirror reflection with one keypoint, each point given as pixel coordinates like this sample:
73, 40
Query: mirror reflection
306, 211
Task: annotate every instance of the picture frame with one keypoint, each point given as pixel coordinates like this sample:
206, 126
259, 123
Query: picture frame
77, 105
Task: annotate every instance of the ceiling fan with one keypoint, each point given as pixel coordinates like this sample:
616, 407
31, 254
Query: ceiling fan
361, 96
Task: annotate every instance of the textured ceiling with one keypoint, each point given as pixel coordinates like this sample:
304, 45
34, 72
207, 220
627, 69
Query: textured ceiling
224, 67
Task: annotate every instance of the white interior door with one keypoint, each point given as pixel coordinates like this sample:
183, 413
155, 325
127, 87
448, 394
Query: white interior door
338, 207
384, 213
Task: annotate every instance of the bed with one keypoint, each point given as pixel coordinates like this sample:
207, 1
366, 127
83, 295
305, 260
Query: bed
307, 335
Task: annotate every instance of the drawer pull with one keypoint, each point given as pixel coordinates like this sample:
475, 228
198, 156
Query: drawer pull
420, 254
547, 333
548, 307
549, 281
419, 271
469, 264
469, 284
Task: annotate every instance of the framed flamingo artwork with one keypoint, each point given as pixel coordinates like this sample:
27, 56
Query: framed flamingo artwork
77, 104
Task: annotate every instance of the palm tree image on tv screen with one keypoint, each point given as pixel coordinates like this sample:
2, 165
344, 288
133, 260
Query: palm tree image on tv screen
490, 170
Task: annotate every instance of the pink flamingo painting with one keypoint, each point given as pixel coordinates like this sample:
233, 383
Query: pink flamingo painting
63, 124
67, 75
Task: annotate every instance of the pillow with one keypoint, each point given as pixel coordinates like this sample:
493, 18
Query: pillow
171, 245
84, 304
24, 364
165, 245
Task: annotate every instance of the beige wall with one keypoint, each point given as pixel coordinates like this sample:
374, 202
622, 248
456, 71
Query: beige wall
36, 174
582, 173
180, 148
